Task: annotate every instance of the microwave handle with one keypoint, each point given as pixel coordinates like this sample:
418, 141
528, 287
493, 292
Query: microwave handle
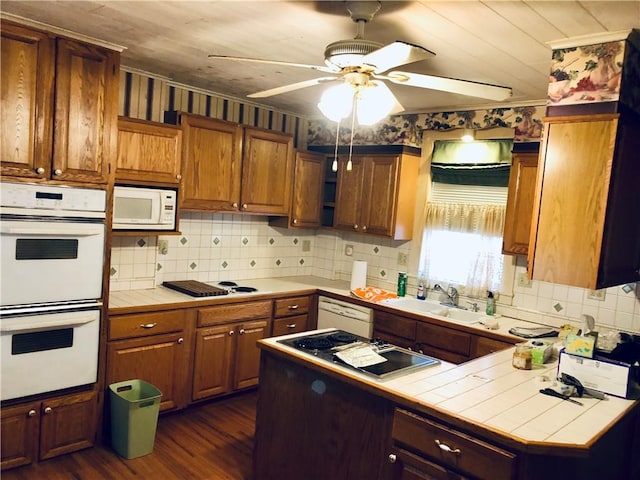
86, 232
25, 325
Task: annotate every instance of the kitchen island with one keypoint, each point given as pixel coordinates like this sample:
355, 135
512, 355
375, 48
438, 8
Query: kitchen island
481, 419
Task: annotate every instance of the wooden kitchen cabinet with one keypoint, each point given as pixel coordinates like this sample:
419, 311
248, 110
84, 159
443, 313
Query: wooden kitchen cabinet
585, 229
426, 449
521, 193
226, 355
148, 152
228, 168
59, 109
154, 347
290, 315
444, 343
482, 346
45, 429
307, 191
394, 329
377, 196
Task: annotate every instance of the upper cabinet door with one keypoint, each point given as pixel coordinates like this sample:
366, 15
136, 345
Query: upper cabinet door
211, 164
379, 194
349, 194
306, 202
85, 129
27, 79
267, 172
148, 151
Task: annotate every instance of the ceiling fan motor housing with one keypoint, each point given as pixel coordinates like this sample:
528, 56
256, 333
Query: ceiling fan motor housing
347, 53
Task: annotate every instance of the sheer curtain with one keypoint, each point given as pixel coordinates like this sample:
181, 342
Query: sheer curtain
462, 245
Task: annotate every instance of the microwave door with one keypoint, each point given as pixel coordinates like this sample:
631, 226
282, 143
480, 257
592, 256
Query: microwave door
134, 207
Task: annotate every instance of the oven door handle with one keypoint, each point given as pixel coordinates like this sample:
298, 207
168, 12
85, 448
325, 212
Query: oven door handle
24, 325
90, 230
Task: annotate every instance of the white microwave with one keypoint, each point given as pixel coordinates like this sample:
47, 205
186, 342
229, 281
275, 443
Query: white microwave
144, 208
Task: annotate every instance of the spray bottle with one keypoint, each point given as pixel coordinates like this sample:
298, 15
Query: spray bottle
491, 305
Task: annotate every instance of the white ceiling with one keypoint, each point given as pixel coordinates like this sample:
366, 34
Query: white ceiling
497, 42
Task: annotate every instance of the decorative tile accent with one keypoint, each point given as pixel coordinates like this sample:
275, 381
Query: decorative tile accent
627, 288
376, 250
158, 267
216, 241
141, 243
301, 261
193, 265
278, 262
224, 264
383, 273
113, 271
183, 240
252, 263
558, 307
295, 241
245, 241
271, 241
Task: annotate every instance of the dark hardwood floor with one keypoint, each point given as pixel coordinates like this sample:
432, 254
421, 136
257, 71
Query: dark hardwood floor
213, 441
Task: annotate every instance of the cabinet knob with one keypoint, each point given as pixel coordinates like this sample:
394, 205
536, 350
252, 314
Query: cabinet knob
241, 331
295, 220
364, 228
181, 340
178, 177
57, 171
355, 227
32, 413
48, 410
244, 206
231, 333
39, 170
234, 205
148, 325
446, 448
392, 458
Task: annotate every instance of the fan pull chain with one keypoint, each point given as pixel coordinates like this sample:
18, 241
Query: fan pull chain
334, 165
353, 127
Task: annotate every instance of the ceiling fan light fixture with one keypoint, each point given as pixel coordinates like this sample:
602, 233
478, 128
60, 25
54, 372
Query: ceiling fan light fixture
335, 103
468, 135
375, 102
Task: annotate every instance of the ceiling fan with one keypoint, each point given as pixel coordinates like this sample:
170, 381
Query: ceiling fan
359, 64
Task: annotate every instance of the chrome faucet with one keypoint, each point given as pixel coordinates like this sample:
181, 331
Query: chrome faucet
452, 295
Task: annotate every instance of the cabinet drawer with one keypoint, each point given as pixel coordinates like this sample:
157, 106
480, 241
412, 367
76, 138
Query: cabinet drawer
451, 448
444, 338
284, 326
143, 324
291, 306
395, 325
233, 313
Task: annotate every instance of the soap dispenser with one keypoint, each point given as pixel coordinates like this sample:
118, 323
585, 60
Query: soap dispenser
420, 295
491, 305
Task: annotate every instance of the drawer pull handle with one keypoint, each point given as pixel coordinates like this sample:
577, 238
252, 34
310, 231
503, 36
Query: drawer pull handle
291, 325
148, 325
292, 307
446, 448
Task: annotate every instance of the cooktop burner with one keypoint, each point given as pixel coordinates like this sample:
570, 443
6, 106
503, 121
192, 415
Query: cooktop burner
325, 345
234, 287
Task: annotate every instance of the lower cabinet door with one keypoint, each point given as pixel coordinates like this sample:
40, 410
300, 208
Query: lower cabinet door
247, 365
21, 424
213, 355
408, 466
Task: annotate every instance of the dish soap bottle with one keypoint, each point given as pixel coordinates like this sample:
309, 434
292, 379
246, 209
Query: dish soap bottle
420, 295
491, 304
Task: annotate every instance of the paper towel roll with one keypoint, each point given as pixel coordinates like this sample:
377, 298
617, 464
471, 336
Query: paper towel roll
359, 274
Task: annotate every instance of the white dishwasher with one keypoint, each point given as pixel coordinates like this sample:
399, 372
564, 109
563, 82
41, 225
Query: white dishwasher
345, 316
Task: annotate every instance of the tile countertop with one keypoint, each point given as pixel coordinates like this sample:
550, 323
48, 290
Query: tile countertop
491, 393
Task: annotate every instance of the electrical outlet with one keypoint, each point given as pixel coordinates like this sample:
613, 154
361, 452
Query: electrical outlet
163, 247
523, 280
348, 250
402, 259
596, 294
306, 245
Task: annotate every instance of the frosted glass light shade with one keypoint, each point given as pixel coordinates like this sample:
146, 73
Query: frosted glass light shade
374, 103
335, 103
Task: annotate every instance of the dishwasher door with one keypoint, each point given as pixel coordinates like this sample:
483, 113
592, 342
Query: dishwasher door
345, 316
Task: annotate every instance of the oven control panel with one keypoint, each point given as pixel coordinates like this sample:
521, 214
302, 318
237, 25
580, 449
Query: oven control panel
50, 198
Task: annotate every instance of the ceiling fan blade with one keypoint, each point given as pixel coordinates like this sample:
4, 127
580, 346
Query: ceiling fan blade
291, 87
276, 62
463, 87
395, 54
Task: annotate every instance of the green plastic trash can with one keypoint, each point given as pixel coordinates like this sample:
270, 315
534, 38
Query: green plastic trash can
135, 405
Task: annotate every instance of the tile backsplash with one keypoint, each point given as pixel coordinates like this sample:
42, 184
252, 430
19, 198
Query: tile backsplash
215, 247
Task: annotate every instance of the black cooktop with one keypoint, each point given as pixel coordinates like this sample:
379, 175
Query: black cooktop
325, 345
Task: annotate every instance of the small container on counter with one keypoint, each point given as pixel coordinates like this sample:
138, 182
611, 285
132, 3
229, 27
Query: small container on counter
402, 284
522, 357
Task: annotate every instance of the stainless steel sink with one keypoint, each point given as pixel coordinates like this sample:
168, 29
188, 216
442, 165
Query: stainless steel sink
435, 309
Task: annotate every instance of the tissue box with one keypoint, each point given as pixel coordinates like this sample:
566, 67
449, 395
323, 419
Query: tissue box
540, 351
601, 373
